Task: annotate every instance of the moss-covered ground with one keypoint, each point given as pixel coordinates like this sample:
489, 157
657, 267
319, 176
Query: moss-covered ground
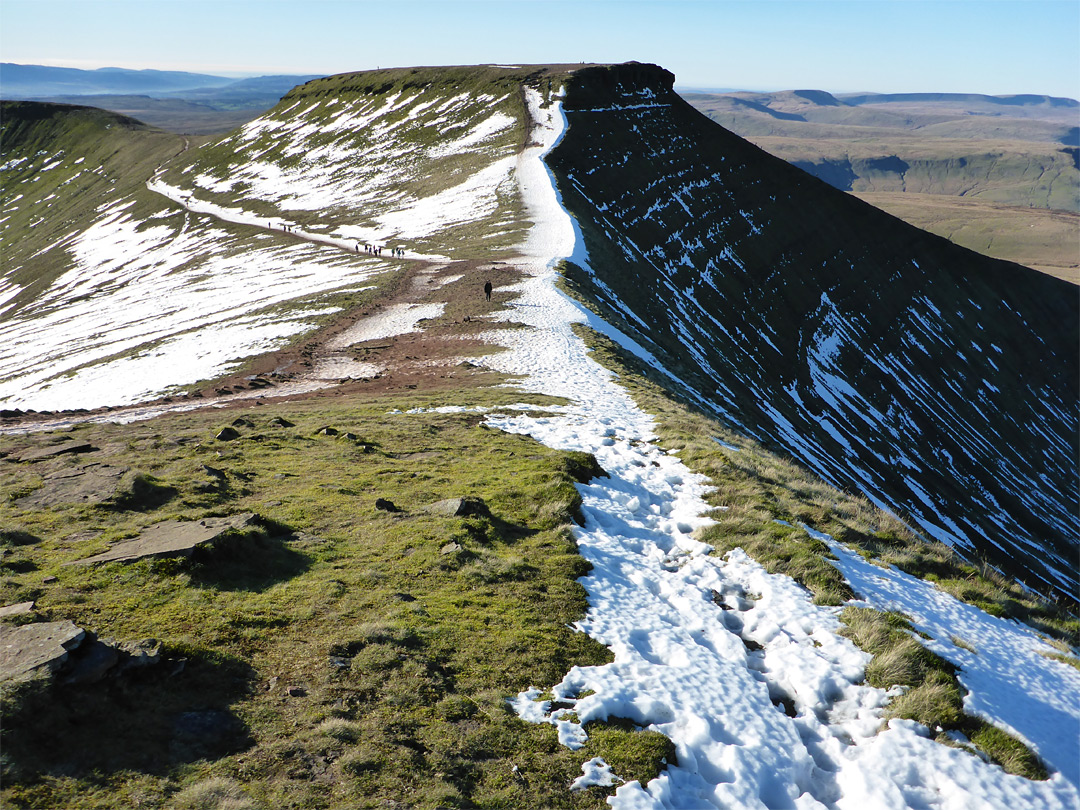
350, 656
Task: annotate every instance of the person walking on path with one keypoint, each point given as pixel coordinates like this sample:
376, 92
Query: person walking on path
487, 290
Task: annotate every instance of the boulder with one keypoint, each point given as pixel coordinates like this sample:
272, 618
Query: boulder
36, 647
173, 538
91, 664
227, 434
386, 505
458, 507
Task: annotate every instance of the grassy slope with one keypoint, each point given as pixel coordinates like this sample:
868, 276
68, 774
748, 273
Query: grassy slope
433, 642
115, 156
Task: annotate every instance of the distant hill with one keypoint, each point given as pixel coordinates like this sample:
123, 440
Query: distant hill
187, 103
952, 163
35, 81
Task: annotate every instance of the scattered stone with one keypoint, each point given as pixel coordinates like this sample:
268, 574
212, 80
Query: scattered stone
54, 450
450, 548
303, 539
214, 472
338, 662
277, 421
227, 434
327, 431
385, 505
350, 436
49, 580
136, 654
43, 646
81, 537
458, 507
19, 609
173, 538
241, 421
403, 597
296, 691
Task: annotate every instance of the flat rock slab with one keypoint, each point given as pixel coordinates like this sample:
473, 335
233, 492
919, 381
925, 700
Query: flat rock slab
32, 646
86, 483
16, 610
172, 538
39, 453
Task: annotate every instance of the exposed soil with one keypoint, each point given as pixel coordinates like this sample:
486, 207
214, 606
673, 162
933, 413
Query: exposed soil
441, 356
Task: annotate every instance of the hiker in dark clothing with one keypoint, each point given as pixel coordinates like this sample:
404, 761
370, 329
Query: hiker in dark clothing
487, 290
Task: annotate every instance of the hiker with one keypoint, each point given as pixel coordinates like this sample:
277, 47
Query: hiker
487, 289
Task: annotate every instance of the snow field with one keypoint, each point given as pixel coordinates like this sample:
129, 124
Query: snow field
351, 162
706, 651
147, 308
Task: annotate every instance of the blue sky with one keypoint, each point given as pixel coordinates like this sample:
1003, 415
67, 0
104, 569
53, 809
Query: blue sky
980, 46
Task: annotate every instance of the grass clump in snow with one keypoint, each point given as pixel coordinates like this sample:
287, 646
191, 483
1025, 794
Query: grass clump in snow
632, 752
933, 696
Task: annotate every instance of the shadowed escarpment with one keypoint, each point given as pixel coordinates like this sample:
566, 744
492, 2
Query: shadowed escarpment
938, 382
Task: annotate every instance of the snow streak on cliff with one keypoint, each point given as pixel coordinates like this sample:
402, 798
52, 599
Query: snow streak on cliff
939, 383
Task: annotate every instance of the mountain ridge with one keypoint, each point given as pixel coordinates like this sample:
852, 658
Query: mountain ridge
735, 260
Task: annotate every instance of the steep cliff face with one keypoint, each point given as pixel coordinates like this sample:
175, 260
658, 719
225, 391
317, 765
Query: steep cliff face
939, 383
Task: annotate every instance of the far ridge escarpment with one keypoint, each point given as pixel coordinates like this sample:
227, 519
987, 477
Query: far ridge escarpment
939, 383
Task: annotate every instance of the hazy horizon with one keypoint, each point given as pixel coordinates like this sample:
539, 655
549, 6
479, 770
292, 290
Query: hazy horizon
1004, 47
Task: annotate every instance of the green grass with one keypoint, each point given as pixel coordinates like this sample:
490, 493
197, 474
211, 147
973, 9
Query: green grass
405, 655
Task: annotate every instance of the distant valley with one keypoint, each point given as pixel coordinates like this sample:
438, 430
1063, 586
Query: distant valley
997, 174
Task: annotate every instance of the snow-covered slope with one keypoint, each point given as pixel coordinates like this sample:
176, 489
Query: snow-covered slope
416, 158
939, 383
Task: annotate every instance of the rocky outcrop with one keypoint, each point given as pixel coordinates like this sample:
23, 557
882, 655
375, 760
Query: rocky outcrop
69, 653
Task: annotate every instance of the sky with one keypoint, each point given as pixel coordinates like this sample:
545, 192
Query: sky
976, 46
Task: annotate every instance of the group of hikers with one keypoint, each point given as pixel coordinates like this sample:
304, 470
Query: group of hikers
375, 250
